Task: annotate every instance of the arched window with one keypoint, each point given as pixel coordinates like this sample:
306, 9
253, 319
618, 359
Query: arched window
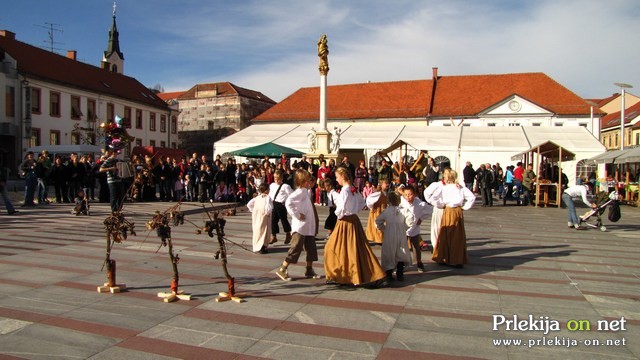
375, 160
584, 169
114, 68
442, 162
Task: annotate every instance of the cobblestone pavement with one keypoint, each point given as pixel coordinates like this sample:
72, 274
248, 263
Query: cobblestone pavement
523, 261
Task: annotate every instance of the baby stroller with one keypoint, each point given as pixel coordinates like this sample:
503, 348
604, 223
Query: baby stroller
603, 200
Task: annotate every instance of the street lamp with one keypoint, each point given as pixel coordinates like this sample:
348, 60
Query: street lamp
622, 86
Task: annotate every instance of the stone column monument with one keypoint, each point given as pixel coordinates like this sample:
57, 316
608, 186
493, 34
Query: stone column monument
320, 140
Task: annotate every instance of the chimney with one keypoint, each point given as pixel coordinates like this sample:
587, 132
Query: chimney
71, 54
8, 34
105, 65
435, 73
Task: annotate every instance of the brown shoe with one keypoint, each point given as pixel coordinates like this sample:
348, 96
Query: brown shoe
274, 240
287, 239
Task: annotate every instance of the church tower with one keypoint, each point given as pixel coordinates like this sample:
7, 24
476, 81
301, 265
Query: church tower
113, 57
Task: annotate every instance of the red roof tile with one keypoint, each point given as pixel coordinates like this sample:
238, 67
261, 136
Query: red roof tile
39, 63
225, 89
466, 95
605, 101
613, 119
400, 99
166, 96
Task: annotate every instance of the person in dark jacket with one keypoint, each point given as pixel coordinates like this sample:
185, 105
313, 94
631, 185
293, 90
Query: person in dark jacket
59, 175
469, 175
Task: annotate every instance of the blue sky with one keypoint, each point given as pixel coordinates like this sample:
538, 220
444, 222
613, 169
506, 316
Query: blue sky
270, 46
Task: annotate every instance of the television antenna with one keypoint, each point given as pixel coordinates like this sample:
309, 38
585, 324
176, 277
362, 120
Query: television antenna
52, 29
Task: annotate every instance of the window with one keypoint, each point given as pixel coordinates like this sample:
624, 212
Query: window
75, 107
375, 161
466, 124
54, 104
637, 139
91, 110
583, 124
514, 124
584, 169
152, 121
446, 124
174, 145
152, 143
615, 140
138, 119
558, 124
536, 124
174, 124
138, 142
75, 138
163, 123
442, 162
491, 124
163, 144
54, 137
10, 101
91, 138
35, 137
126, 122
35, 101
110, 112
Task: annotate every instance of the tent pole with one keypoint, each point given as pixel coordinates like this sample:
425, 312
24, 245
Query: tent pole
558, 197
537, 161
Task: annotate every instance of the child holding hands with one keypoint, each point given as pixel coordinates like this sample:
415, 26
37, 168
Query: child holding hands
303, 226
394, 222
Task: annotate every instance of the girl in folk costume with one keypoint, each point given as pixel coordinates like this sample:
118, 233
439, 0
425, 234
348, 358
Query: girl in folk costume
260, 208
348, 259
376, 202
394, 222
436, 216
451, 248
330, 222
303, 225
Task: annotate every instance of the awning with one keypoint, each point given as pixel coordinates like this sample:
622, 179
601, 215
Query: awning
629, 156
608, 157
267, 149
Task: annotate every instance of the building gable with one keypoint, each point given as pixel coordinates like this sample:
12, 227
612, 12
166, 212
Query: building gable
516, 106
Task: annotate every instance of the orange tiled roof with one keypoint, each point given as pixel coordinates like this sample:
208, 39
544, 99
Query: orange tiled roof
605, 101
466, 95
225, 89
166, 96
398, 99
613, 119
39, 63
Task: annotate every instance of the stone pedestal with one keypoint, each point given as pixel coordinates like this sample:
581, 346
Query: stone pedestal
323, 145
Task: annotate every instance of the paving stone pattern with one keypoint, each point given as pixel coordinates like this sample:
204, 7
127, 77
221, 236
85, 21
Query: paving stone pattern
523, 261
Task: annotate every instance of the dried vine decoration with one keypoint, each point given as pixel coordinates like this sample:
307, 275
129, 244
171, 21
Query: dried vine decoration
161, 223
216, 225
118, 228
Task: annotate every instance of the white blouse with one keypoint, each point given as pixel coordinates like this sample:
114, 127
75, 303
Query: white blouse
453, 195
348, 203
299, 202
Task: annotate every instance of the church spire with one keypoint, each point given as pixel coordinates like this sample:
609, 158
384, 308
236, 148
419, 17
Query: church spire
113, 55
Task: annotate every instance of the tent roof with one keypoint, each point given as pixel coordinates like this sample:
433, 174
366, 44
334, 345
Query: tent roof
267, 149
607, 157
548, 149
629, 156
420, 136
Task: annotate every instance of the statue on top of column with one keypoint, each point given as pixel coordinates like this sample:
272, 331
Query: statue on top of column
323, 54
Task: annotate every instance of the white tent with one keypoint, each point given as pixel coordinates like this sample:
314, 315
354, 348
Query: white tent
458, 144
